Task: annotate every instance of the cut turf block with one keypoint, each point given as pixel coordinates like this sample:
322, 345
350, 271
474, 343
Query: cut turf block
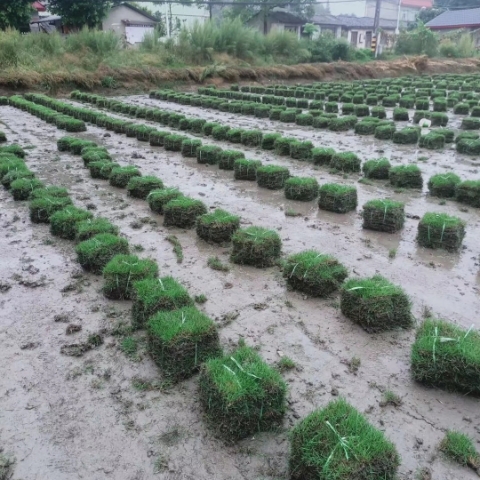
406, 136
157, 138
22, 188
43, 207
301, 188
220, 132
281, 146
64, 223
122, 271
468, 192
470, 123
87, 229
140, 187
190, 147
385, 132
338, 443
304, 119
345, 162
447, 133
337, 198
366, 127
268, 140
443, 185
314, 273
378, 112
322, 156
157, 199
16, 174
78, 145
460, 448
461, 109
173, 143
400, 114
378, 169
95, 155
439, 230
180, 341
439, 119
121, 176
153, 295
406, 176
246, 169
432, 141
102, 170
50, 191
208, 154
241, 394
64, 143
272, 176
447, 356
383, 215
182, 212
376, 304
227, 159
252, 138
256, 246
218, 226
301, 150
234, 135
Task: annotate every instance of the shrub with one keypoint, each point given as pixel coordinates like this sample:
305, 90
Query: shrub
400, 114
281, 146
246, 169
407, 135
459, 448
102, 169
227, 159
385, 132
272, 176
256, 246
87, 229
470, 123
252, 138
315, 451
121, 176
140, 187
95, 253
345, 162
406, 176
153, 295
63, 223
301, 188
301, 150
268, 140
234, 135
180, 341
383, 215
432, 141
22, 188
122, 271
218, 226
443, 185
337, 198
241, 394
446, 356
220, 132
378, 169
314, 273
157, 138
44, 206
183, 212
208, 154
439, 230
190, 147
322, 156
461, 109
376, 304
469, 192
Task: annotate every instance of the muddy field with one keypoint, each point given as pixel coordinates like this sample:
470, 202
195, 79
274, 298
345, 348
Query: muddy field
92, 418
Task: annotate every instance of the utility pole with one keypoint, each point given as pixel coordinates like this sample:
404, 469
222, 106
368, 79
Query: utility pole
376, 26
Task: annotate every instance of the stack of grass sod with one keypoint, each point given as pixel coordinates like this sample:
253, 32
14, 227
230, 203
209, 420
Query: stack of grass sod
272, 177
63, 223
153, 295
157, 199
23, 188
432, 141
447, 356
208, 154
468, 192
460, 448
314, 273
470, 123
337, 442
179, 341
406, 136
301, 150
241, 394
322, 156
245, 169
190, 147
337, 198
44, 202
385, 132
345, 162
375, 304
120, 177
468, 145
140, 187
217, 227
377, 169
367, 126
256, 246
304, 189
406, 176
383, 215
443, 185
439, 230
87, 229
227, 159
268, 140
122, 271
182, 212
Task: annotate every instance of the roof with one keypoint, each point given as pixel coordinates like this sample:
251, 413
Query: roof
38, 7
417, 3
134, 23
288, 18
51, 18
139, 11
350, 21
456, 19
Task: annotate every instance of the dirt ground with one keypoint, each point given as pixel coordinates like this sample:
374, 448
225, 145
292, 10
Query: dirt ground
65, 417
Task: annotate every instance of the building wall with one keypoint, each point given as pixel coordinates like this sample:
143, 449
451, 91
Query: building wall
187, 14
113, 21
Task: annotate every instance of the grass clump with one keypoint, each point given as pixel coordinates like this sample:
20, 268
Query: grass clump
190, 147
345, 162
385, 132
140, 187
23, 188
14, 149
122, 271
468, 192
301, 188
301, 150
281, 146
447, 356
183, 212
241, 394
268, 140
16, 174
216, 264
439, 230
406, 136
322, 156
400, 114
432, 141
220, 132
208, 154
95, 155
152, 295
286, 363
218, 226
459, 448
406, 176
246, 169
88, 228
95, 253
256, 246
314, 273
443, 185
272, 177
378, 169
102, 169
173, 143
121, 176
375, 304
64, 223
64, 143
157, 138
337, 198
227, 159
234, 135
338, 443
470, 123
157, 199
177, 247
43, 207
251, 138
180, 341
383, 215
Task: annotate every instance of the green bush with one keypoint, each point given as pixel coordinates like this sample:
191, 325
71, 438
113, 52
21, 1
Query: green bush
256, 246
338, 443
439, 230
345, 162
376, 304
337, 198
468, 192
227, 159
182, 212
378, 169
190, 147
443, 185
140, 187
121, 176
272, 176
208, 154
241, 394
322, 156
301, 188
44, 206
383, 215
63, 223
87, 229
246, 169
218, 226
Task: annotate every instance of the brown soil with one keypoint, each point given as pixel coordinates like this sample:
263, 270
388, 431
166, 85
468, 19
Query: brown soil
66, 417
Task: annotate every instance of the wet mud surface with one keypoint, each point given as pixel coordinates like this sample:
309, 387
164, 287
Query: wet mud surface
108, 415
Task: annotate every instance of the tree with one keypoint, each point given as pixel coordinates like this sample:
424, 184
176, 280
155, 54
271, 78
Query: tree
428, 14
457, 4
15, 14
80, 13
